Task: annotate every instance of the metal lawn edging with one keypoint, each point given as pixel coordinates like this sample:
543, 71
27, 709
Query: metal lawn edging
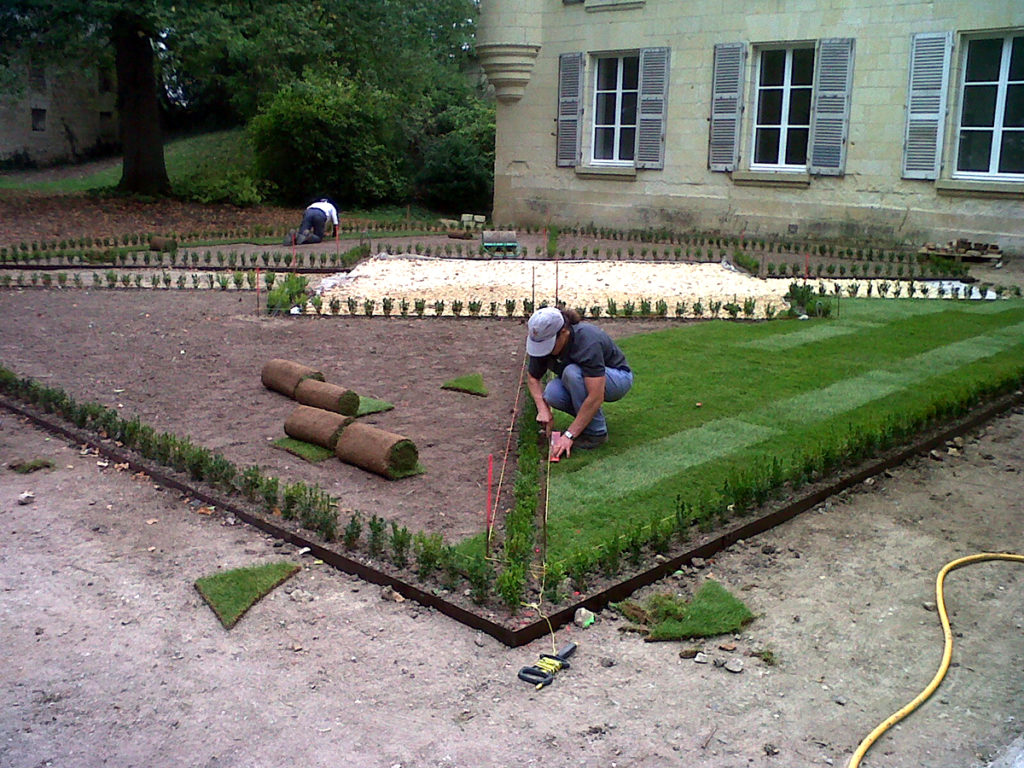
596, 602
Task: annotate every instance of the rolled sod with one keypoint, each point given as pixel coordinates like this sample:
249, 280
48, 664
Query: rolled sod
315, 425
163, 244
330, 397
284, 376
375, 450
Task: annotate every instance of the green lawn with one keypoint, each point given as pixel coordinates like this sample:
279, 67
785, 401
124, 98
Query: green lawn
771, 395
195, 161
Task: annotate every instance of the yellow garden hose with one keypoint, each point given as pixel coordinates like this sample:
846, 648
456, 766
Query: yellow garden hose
947, 653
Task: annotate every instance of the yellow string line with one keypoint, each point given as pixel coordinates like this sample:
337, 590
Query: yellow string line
551, 629
947, 653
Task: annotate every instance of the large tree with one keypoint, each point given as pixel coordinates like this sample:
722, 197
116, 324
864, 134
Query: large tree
229, 58
71, 33
231, 54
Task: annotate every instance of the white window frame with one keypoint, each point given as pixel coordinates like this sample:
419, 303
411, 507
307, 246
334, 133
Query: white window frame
617, 126
787, 88
997, 129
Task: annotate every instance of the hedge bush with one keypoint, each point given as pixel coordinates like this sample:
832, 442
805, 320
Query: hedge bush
333, 137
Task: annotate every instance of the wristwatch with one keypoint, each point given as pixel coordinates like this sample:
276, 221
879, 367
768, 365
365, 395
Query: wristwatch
569, 435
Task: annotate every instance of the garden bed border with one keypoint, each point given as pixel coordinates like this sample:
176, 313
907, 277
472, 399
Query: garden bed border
596, 602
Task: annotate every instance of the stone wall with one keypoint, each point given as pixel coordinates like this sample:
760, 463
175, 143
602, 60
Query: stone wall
56, 115
869, 202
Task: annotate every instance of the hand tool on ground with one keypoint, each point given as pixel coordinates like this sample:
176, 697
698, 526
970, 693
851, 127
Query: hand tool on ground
543, 672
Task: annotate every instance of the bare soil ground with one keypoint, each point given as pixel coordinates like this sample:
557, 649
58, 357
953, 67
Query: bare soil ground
111, 658
189, 363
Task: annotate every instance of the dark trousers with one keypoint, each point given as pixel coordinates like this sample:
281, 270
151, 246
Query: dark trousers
313, 221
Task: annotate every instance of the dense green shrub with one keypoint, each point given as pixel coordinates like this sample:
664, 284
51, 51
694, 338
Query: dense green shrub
286, 294
334, 136
456, 175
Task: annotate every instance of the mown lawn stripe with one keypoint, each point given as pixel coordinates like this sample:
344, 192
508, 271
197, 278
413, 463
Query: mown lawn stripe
770, 410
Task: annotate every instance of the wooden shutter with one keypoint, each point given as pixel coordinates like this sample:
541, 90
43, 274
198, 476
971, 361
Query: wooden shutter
830, 116
650, 134
930, 54
726, 106
570, 108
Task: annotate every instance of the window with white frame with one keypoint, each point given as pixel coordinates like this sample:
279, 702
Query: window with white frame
616, 92
782, 123
800, 107
990, 139
627, 99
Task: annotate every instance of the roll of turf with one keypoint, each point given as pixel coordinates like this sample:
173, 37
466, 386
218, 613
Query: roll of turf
375, 450
284, 375
163, 244
330, 397
315, 425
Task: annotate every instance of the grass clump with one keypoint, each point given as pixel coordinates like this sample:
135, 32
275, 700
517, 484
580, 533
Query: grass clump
231, 593
471, 384
308, 451
712, 611
368, 405
28, 467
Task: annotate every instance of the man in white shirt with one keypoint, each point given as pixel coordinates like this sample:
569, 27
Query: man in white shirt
314, 221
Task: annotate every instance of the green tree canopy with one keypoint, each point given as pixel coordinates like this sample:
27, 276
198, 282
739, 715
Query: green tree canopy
232, 55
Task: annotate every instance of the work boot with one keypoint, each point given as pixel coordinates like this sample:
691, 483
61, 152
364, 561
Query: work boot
303, 236
587, 442
289, 239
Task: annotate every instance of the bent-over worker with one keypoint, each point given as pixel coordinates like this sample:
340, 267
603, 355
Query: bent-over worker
314, 222
590, 370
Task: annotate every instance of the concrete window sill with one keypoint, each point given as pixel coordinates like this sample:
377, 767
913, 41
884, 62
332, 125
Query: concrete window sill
964, 188
613, 5
615, 173
770, 179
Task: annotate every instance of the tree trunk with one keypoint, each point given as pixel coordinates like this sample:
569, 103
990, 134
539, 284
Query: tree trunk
143, 170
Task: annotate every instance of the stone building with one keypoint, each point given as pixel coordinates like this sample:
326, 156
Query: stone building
56, 114
867, 119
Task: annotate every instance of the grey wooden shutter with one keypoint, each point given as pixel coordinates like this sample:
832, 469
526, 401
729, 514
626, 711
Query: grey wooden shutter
726, 106
570, 108
650, 134
930, 55
830, 116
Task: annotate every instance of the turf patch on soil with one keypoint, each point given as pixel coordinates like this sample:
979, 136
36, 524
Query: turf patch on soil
28, 467
311, 453
471, 384
712, 611
368, 405
231, 593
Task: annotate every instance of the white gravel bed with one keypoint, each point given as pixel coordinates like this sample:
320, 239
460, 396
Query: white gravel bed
581, 284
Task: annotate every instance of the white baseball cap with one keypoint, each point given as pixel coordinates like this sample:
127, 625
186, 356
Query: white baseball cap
542, 330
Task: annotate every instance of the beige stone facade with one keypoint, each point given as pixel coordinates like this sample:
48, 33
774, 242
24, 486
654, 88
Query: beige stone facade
894, 154
57, 114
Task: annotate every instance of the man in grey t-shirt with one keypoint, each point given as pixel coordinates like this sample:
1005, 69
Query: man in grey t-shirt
590, 370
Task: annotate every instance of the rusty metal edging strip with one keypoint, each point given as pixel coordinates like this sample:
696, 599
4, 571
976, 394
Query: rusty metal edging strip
596, 602
332, 558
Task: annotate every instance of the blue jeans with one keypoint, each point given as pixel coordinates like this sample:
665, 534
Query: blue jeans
568, 392
314, 220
